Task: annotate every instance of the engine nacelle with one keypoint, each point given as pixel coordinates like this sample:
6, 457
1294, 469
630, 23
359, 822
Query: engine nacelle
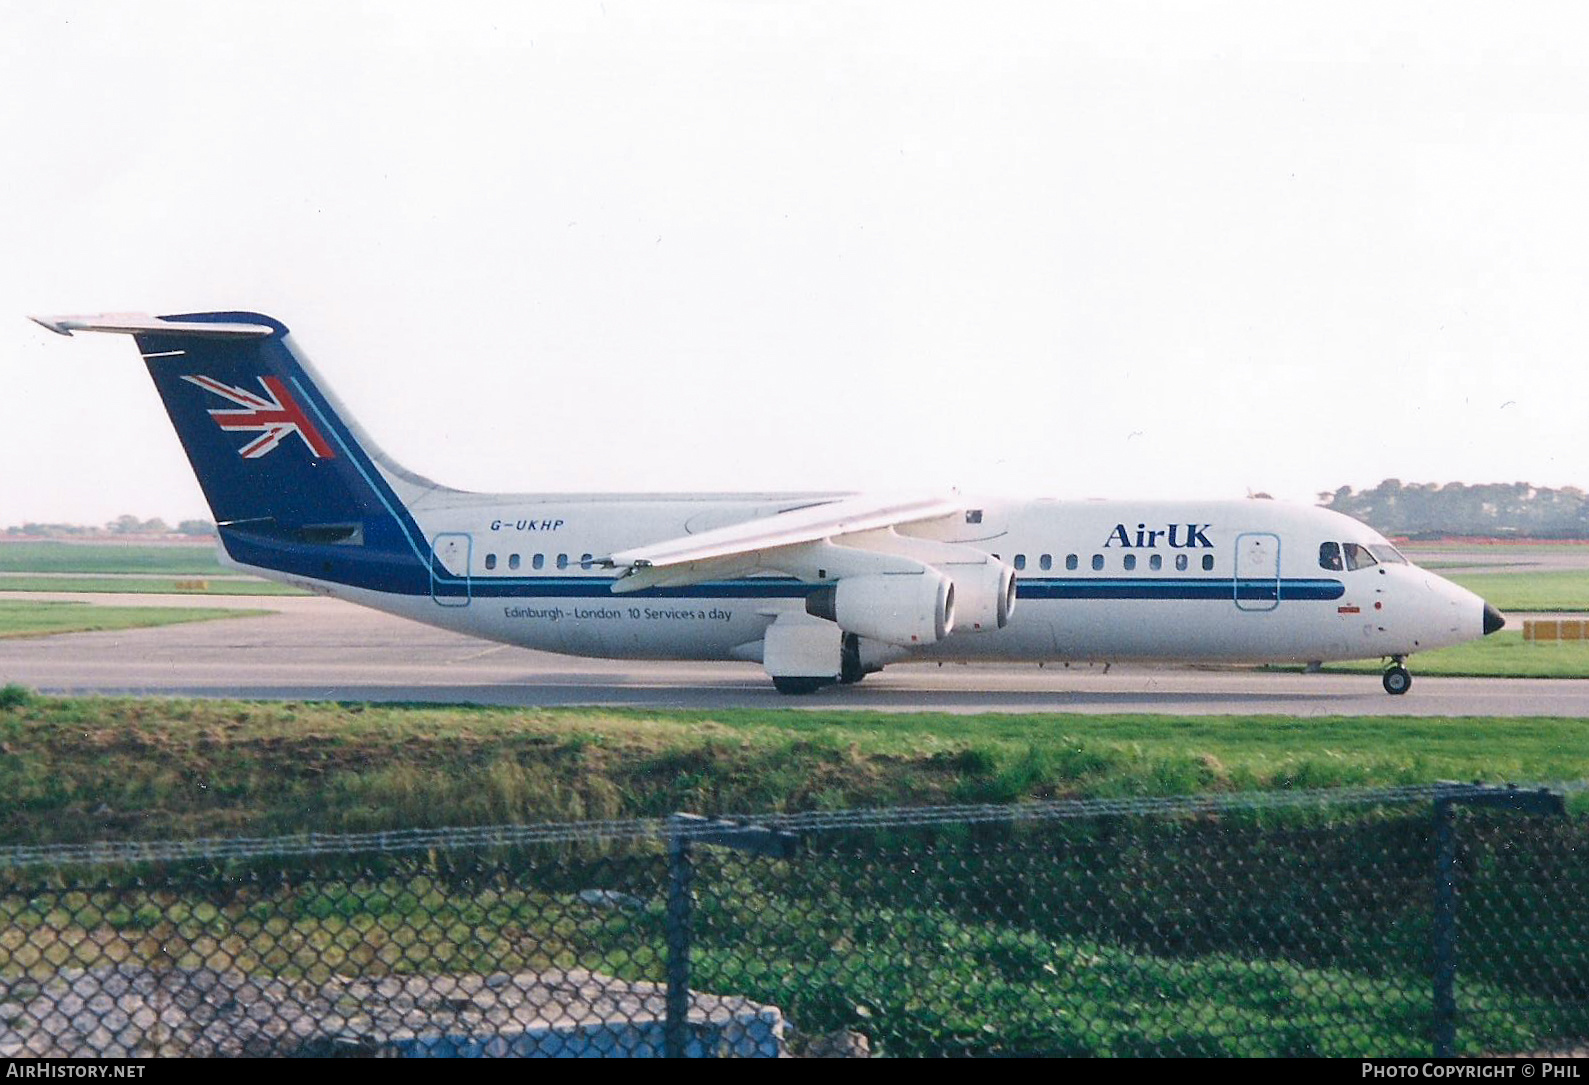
897, 608
984, 595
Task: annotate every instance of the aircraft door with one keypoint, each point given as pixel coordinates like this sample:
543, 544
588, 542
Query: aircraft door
450, 555
1257, 580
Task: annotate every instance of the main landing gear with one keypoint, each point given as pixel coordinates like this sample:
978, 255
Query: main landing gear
1398, 679
795, 687
851, 670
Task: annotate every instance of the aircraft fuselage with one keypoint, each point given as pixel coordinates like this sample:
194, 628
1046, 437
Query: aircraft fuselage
1231, 581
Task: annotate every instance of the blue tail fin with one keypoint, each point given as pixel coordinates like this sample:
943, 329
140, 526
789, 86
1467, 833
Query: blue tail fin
293, 483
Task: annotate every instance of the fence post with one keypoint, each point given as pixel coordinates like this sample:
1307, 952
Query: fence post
1448, 795
675, 1028
684, 829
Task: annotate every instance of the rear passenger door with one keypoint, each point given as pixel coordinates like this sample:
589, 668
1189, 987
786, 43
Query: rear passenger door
450, 555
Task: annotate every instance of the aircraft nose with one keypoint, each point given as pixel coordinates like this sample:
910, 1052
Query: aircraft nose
1492, 619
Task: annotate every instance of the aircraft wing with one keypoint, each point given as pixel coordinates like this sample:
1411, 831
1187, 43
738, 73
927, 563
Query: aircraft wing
741, 548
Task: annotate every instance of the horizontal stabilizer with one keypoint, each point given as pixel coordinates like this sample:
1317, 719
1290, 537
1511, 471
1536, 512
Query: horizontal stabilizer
140, 323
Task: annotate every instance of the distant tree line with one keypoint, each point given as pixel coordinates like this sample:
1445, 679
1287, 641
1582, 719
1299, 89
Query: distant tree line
1430, 509
122, 525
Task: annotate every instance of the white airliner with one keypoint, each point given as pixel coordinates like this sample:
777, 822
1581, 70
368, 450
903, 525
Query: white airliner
818, 588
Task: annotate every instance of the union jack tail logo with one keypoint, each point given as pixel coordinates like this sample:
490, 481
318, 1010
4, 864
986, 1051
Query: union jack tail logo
273, 416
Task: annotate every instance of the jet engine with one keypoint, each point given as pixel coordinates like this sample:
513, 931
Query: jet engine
984, 595
896, 608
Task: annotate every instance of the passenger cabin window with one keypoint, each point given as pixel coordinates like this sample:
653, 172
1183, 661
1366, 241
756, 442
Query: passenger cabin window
491, 561
1131, 562
539, 561
584, 562
562, 561
1046, 562
1072, 562
1208, 563
1097, 563
1330, 556
1156, 562
513, 561
1020, 562
1180, 562
1357, 557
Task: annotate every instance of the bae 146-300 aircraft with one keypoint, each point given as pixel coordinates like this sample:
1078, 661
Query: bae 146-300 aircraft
816, 587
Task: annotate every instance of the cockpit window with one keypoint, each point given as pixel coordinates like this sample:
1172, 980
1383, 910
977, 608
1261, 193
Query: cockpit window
1357, 557
1330, 556
1388, 554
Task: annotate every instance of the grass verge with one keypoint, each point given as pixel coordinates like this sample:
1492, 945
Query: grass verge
75, 769
1501, 655
1550, 590
61, 557
30, 619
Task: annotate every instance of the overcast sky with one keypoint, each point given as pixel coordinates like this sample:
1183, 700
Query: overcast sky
1111, 249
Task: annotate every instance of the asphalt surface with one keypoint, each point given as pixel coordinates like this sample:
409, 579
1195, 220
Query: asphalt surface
319, 649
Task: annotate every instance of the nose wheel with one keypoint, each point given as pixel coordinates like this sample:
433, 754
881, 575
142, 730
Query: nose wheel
1398, 679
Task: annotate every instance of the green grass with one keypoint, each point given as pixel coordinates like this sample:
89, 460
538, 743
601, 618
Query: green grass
60, 557
29, 619
139, 585
1552, 589
984, 955
1501, 655
141, 569
93, 768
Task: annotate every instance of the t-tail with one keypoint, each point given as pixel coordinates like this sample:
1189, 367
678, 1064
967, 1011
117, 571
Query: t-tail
295, 486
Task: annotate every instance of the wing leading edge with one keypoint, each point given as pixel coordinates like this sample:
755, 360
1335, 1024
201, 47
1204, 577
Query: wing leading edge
740, 549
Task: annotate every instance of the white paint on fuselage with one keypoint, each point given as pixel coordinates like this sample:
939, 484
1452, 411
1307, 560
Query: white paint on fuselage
1384, 610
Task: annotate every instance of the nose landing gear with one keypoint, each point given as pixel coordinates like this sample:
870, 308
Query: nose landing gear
1398, 679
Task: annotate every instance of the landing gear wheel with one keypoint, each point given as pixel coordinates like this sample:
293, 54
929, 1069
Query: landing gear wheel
795, 687
1397, 680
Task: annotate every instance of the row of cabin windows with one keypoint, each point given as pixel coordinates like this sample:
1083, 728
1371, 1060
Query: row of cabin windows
1332, 556
1045, 562
538, 561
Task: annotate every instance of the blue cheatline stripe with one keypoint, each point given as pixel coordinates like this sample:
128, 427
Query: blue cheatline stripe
600, 587
1178, 588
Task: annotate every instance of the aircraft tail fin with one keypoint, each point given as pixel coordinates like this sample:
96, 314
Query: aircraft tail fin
295, 485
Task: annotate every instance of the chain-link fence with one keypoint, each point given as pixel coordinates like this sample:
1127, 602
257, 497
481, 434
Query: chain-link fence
1388, 922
